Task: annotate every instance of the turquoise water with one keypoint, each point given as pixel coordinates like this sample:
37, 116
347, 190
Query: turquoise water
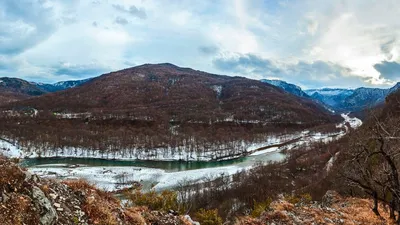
170, 166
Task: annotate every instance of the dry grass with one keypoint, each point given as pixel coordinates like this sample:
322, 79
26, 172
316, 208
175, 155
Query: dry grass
101, 207
15, 206
348, 211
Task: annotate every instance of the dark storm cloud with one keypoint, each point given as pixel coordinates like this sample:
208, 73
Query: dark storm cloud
389, 70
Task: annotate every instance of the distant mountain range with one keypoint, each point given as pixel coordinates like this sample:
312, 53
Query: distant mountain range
153, 78
338, 99
59, 86
331, 97
15, 89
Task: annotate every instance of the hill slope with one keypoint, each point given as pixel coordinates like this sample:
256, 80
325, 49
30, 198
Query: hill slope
159, 112
345, 100
165, 91
27, 199
13, 89
291, 88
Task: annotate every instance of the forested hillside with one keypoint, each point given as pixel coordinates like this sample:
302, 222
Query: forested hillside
158, 111
364, 164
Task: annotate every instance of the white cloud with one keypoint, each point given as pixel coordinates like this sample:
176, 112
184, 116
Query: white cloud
36, 36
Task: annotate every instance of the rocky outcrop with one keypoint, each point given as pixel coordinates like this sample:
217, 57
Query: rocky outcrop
47, 212
27, 199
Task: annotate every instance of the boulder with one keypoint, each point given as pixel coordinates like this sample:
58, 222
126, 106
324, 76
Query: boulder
47, 212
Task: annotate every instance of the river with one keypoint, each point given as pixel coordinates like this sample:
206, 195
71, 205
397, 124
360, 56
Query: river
159, 175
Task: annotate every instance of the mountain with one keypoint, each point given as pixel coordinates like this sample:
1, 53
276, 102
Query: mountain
62, 85
166, 91
14, 89
331, 97
364, 98
345, 100
291, 88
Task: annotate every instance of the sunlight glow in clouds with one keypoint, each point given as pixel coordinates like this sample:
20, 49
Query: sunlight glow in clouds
312, 43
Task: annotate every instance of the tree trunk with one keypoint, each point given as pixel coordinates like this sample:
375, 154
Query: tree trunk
398, 217
376, 205
392, 215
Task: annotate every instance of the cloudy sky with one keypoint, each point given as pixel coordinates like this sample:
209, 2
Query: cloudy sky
312, 43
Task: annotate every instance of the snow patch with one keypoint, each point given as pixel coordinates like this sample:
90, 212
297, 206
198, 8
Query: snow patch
272, 149
218, 90
109, 178
329, 164
353, 122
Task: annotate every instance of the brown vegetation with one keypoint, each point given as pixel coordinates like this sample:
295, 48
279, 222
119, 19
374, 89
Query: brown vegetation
26, 199
164, 92
14, 89
135, 111
334, 210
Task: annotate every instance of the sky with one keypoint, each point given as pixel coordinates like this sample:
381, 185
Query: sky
311, 43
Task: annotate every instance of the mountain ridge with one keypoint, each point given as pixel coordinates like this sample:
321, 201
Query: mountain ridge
170, 91
291, 88
16, 89
61, 85
355, 100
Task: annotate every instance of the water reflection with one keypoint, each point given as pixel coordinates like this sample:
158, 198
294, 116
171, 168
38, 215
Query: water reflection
170, 166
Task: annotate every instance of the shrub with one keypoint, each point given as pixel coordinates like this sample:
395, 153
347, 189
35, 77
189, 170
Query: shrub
133, 217
166, 200
100, 206
11, 177
18, 210
79, 185
260, 207
299, 199
208, 217
100, 214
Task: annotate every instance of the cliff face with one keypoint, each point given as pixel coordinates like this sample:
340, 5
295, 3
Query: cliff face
27, 199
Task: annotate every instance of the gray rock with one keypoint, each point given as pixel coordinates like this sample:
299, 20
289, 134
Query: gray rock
4, 197
53, 196
187, 217
330, 197
28, 176
31, 177
47, 212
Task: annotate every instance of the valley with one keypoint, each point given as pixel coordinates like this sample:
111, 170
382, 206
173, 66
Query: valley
117, 173
158, 128
157, 112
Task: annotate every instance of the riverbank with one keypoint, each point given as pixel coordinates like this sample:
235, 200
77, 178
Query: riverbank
113, 175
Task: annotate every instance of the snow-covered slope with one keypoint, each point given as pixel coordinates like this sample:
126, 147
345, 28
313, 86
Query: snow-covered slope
291, 88
62, 85
345, 100
330, 91
330, 96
